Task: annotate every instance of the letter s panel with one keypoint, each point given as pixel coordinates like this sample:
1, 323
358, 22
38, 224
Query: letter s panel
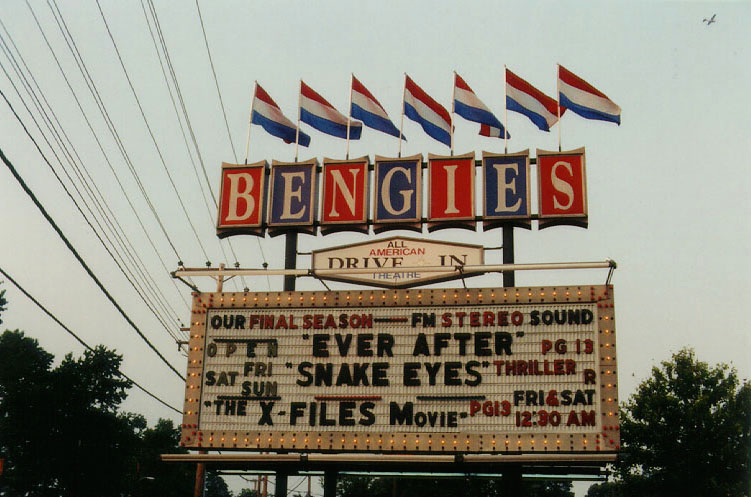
562, 187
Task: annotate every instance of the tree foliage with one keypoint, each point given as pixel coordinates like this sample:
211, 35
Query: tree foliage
61, 432
358, 486
3, 303
216, 486
685, 432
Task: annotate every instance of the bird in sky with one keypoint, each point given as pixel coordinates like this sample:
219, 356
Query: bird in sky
710, 20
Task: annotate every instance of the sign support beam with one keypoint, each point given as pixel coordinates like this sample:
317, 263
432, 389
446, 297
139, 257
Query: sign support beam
509, 279
330, 477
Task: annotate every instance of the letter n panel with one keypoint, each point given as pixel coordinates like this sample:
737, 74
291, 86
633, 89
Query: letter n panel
242, 199
562, 188
293, 196
506, 187
397, 196
345, 195
451, 197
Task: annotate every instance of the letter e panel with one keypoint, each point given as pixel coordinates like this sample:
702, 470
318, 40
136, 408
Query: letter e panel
503, 371
293, 197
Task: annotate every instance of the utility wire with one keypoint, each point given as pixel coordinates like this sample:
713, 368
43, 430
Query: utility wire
80, 259
216, 81
226, 123
122, 266
119, 263
121, 147
148, 127
176, 84
142, 269
91, 85
179, 121
80, 340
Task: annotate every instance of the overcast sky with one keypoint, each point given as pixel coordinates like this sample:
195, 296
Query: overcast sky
668, 189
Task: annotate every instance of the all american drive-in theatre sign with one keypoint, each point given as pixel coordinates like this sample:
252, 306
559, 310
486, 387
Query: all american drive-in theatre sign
498, 371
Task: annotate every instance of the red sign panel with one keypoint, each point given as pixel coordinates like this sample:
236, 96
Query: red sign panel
562, 185
452, 188
345, 191
242, 195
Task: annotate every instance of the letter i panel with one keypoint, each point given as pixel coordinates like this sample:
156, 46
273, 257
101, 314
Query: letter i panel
451, 193
506, 184
562, 188
242, 195
397, 196
527, 372
345, 195
293, 196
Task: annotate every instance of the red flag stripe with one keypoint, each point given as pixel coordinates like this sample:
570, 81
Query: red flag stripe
573, 80
419, 94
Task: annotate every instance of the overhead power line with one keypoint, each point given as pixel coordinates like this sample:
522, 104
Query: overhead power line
216, 81
103, 210
186, 116
148, 127
91, 86
80, 259
80, 340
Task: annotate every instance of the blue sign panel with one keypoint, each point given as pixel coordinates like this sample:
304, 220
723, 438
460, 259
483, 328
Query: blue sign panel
293, 194
506, 184
398, 190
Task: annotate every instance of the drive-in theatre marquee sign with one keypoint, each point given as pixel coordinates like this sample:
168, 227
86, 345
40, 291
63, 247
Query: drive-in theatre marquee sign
498, 371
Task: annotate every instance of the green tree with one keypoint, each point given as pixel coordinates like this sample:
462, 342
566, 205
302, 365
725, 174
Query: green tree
3, 303
61, 432
216, 486
686, 432
247, 492
606, 489
59, 428
358, 486
155, 477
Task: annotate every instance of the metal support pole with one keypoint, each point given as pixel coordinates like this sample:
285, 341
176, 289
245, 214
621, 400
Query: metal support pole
508, 254
329, 482
201, 467
511, 482
200, 478
290, 259
280, 484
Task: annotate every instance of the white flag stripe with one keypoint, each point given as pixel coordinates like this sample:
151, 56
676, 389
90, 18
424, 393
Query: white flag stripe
271, 112
426, 112
586, 99
469, 98
529, 102
367, 104
323, 111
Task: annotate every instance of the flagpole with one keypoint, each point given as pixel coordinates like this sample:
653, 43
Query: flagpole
505, 108
558, 107
401, 126
451, 125
349, 113
299, 112
250, 121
